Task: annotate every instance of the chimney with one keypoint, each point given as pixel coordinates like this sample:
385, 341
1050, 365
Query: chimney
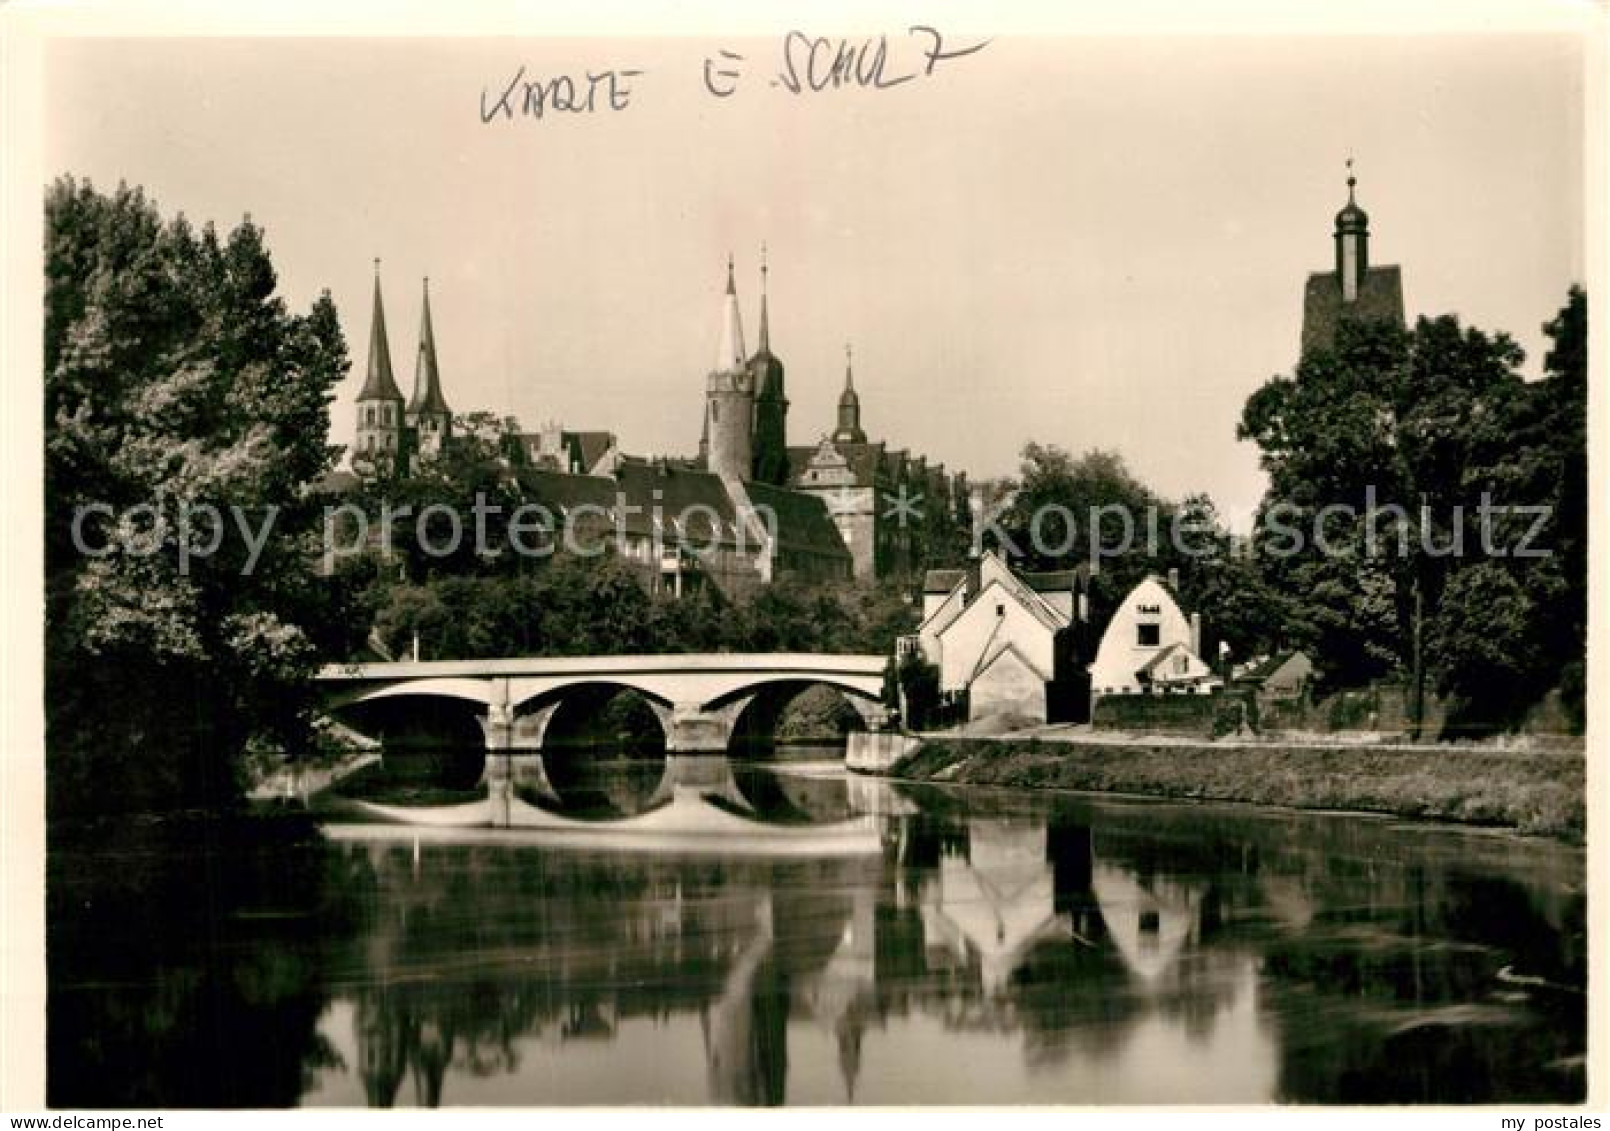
1174, 579
975, 575
1196, 633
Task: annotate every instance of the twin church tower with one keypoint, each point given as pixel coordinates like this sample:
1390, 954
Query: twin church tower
391, 432
746, 406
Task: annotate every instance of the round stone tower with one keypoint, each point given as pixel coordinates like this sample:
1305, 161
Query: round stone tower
730, 396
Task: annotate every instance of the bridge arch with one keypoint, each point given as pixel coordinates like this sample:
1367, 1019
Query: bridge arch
427, 740
604, 747
469, 689
759, 715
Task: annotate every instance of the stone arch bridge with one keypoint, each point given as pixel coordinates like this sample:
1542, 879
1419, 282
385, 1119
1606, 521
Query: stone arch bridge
698, 697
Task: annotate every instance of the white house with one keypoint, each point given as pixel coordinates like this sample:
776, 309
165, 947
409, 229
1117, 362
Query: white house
1151, 647
994, 633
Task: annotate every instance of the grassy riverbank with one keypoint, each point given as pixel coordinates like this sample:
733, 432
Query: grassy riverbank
1535, 791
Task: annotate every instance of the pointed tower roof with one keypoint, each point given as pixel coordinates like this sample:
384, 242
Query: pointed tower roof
730, 353
378, 383
427, 377
849, 397
849, 429
765, 318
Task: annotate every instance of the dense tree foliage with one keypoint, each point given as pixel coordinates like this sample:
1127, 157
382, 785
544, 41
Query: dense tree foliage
176, 378
1092, 511
578, 607
1424, 459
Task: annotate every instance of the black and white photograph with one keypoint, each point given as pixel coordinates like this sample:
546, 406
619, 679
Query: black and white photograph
901, 558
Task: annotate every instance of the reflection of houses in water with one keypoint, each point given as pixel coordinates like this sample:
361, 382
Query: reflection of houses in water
1020, 884
993, 903
1151, 923
1089, 946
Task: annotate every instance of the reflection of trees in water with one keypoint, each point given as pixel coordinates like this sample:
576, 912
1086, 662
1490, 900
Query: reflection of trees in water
186, 965
478, 948
1345, 908
1380, 957
1133, 916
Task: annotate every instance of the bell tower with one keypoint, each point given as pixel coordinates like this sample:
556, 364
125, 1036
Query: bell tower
1352, 243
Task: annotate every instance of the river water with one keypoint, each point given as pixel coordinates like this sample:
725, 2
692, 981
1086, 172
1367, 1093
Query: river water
994, 947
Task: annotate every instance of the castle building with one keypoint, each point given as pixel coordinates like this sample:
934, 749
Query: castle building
392, 435
1354, 291
888, 504
555, 448
680, 530
764, 510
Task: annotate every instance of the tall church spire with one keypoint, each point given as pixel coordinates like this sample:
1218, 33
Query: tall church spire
771, 403
427, 375
849, 429
765, 320
378, 382
730, 353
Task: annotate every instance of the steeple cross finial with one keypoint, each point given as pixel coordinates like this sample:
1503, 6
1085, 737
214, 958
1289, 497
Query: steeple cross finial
1351, 180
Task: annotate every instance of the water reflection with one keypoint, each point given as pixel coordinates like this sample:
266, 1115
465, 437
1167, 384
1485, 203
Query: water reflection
1001, 948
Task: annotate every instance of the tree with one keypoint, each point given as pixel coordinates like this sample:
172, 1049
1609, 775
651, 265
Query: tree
1438, 423
175, 378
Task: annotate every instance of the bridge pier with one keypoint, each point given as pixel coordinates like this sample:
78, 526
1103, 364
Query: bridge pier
702, 774
874, 714
514, 751
692, 728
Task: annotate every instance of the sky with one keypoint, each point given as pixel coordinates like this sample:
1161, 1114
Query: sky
1081, 241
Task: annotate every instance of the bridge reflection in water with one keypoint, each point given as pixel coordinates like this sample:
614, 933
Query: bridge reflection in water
985, 954
525, 736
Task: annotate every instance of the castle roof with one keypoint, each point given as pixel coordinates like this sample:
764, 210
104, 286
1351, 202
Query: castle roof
587, 448
693, 504
803, 521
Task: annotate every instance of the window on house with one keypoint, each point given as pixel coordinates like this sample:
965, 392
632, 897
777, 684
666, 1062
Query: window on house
1148, 635
369, 415
1000, 610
